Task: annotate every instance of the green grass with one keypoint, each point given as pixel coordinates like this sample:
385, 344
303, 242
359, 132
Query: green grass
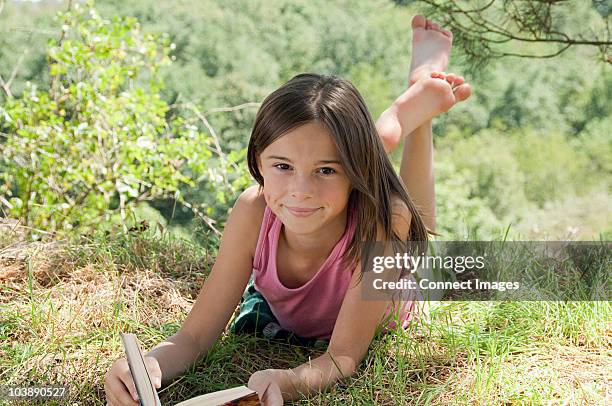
62, 306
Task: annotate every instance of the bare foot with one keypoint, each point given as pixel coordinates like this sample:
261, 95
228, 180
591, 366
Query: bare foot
460, 90
425, 99
431, 47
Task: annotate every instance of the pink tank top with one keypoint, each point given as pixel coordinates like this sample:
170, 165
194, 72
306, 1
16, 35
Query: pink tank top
310, 310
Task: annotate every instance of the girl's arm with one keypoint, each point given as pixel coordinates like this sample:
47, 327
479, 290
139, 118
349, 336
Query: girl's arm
353, 332
220, 293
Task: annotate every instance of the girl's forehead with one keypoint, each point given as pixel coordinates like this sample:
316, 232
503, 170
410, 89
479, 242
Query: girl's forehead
308, 139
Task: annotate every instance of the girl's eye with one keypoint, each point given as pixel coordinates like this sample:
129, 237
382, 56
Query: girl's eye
327, 171
282, 167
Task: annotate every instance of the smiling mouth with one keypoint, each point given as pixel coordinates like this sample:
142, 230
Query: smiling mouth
301, 211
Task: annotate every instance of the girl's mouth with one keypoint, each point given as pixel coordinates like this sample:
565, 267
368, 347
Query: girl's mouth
301, 211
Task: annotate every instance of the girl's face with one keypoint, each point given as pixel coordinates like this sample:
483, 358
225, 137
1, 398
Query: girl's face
304, 183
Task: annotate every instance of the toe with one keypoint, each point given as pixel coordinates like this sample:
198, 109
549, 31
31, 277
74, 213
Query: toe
438, 75
462, 92
447, 33
451, 78
459, 80
419, 21
435, 26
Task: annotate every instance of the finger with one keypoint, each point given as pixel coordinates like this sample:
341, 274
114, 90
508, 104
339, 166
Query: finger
123, 398
154, 371
263, 396
129, 384
273, 396
119, 393
110, 399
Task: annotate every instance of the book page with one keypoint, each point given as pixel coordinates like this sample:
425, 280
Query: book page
239, 396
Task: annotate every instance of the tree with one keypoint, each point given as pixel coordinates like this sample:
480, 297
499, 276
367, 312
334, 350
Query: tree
524, 28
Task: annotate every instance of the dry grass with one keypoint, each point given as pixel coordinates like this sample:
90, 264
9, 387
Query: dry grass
63, 306
553, 375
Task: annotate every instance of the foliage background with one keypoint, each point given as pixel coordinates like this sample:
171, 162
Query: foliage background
529, 153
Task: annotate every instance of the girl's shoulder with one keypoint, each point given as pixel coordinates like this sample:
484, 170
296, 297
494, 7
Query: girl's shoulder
248, 211
399, 207
401, 218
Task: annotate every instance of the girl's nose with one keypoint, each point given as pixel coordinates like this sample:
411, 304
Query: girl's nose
301, 187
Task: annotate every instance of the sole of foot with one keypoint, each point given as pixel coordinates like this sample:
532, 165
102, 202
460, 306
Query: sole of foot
427, 98
431, 47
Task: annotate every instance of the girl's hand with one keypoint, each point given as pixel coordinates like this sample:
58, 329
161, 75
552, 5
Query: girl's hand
267, 384
119, 385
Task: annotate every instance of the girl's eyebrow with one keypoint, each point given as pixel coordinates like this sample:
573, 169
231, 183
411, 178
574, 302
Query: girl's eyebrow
282, 158
323, 161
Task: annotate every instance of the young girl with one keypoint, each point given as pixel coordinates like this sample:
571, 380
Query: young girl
325, 186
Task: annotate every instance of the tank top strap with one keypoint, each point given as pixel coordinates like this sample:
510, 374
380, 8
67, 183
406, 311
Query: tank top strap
266, 224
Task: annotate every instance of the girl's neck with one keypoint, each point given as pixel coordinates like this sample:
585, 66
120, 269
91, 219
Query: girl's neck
318, 242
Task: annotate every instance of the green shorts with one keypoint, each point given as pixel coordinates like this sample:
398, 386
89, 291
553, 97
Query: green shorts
256, 318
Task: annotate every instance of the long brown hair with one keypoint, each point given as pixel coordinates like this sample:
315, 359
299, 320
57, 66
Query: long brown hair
337, 105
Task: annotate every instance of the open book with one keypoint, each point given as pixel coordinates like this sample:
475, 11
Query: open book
239, 396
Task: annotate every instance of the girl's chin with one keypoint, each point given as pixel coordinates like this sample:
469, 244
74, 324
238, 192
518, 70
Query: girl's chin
301, 227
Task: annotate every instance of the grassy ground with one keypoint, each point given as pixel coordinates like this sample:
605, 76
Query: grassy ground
62, 306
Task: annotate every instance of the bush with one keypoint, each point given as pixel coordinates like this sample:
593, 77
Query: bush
553, 167
88, 149
492, 172
460, 214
